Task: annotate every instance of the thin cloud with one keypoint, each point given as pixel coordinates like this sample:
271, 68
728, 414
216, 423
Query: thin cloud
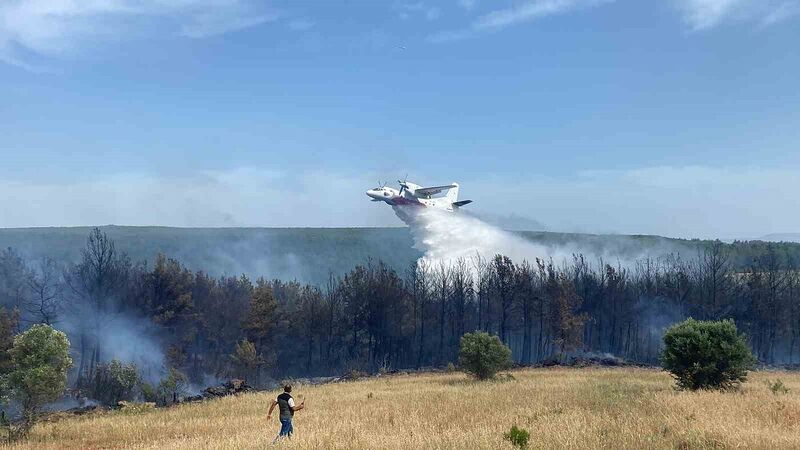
469, 5
235, 197
46, 28
529, 11
781, 13
522, 13
702, 15
205, 25
407, 10
684, 201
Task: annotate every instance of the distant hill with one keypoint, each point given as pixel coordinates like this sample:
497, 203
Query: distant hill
306, 254
310, 254
782, 237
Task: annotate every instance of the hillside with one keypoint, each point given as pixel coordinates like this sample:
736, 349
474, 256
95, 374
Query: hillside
310, 254
782, 237
306, 254
621, 408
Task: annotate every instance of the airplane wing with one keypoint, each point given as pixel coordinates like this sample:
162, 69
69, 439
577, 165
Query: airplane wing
426, 191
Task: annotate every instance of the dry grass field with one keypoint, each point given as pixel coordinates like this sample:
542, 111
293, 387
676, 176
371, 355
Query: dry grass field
561, 407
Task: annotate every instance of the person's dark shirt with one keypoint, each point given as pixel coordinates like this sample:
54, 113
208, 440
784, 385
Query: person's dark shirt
286, 405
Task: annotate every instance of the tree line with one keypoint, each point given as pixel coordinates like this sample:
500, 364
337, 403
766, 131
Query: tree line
377, 317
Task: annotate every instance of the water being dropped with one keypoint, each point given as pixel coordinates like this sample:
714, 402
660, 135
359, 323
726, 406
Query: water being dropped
447, 236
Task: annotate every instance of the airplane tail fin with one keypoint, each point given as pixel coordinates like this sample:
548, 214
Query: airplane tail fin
452, 197
452, 194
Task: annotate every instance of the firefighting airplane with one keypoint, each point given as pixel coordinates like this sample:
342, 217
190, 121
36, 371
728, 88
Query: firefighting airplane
411, 194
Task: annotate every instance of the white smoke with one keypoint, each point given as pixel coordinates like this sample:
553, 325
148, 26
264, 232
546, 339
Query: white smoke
122, 337
133, 340
447, 237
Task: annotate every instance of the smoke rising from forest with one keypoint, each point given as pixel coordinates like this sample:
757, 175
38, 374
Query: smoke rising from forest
123, 337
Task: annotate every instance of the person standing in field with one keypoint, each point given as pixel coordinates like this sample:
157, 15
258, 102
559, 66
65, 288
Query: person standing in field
287, 409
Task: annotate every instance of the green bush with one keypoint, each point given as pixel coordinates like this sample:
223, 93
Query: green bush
174, 386
114, 382
482, 355
149, 392
518, 437
706, 354
777, 387
40, 361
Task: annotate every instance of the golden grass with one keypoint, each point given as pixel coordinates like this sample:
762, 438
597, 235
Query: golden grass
561, 407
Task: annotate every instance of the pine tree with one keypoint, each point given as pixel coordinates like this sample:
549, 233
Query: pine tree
261, 322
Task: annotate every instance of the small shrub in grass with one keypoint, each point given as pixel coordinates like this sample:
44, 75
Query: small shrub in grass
114, 382
504, 377
134, 408
173, 387
518, 437
777, 387
706, 354
356, 374
483, 355
149, 392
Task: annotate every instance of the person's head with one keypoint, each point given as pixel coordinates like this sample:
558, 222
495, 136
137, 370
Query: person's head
287, 388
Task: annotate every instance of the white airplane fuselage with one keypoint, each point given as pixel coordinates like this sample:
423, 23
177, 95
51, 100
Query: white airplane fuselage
393, 197
412, 197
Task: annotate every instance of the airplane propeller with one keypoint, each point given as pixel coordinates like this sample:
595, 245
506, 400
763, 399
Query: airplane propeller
403, 185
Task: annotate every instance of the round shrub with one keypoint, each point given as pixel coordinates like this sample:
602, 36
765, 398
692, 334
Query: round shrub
706, 354
483, 355
518, 437
40, 360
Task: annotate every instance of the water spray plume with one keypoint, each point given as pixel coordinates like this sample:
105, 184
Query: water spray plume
446, 237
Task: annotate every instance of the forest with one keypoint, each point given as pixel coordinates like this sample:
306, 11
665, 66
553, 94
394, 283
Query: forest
375, 317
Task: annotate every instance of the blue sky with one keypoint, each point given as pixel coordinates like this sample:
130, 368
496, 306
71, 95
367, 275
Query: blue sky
672, 117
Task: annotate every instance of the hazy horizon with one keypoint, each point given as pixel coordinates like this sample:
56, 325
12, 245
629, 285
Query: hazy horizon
499, 222
672, 118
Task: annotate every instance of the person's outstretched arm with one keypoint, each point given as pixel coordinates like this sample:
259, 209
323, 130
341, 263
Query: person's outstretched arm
271, 408
298, 408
